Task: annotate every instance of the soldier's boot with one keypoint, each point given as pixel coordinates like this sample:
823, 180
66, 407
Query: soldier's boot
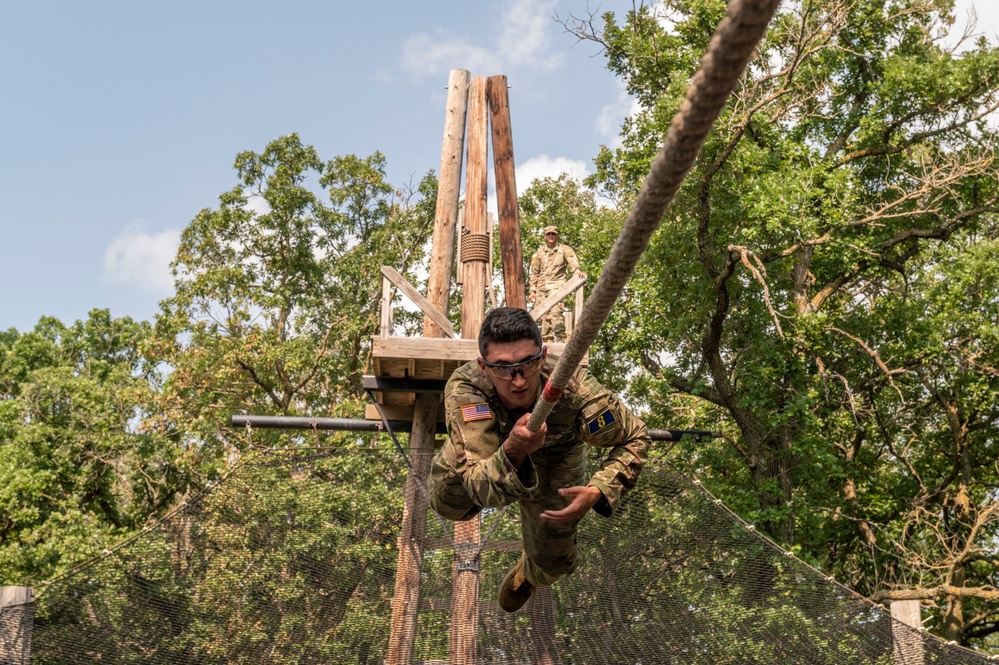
515, 590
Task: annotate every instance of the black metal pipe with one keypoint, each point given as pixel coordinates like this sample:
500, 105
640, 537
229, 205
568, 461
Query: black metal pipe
361, 425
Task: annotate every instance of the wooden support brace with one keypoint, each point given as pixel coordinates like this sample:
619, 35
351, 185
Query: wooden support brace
400, 282
545, 305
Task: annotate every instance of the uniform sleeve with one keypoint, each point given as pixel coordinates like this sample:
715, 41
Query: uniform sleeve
607, 423
570, 259
476, 454
535, 271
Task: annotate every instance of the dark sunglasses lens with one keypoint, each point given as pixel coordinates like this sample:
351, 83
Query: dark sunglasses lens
526, 368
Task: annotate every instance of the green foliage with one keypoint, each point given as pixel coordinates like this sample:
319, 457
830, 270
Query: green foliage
817, 289
77, 468
278, 291
284, 561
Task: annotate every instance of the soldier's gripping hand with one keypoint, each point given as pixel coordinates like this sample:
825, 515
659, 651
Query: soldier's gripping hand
522, 441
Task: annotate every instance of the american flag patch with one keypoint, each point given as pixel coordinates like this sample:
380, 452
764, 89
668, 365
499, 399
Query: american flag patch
478, 411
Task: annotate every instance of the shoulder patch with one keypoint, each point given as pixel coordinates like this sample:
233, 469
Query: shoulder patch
478, 411
605, 419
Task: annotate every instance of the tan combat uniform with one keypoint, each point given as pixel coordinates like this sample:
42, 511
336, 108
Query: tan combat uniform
550, 267
472, 471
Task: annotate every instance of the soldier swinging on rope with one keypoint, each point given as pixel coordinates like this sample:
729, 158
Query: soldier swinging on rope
491, 459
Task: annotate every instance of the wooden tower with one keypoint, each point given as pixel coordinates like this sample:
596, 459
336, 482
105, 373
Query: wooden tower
410, 373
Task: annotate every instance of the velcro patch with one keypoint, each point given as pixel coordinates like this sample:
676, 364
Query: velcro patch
478, 411
604, 420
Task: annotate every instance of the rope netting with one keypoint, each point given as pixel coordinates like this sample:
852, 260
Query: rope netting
291, 559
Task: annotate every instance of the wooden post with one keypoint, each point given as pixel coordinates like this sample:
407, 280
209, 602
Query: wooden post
907, 644
465, 591
543, 626
17, 610
577, 311
490, 223
386, 313
406, 599
506, 192
448, 190
543, 602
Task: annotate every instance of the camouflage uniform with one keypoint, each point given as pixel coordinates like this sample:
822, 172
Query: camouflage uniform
472, 471
549, 270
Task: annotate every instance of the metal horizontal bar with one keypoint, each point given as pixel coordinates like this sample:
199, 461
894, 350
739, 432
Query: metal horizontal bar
360, 425
325, 424
677, 434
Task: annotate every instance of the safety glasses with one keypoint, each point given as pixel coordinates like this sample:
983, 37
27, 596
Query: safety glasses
508, 371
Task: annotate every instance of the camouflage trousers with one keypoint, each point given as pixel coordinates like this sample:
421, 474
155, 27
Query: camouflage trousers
550, 548
553, 323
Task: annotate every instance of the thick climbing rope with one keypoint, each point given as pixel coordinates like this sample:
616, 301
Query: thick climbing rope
728, 53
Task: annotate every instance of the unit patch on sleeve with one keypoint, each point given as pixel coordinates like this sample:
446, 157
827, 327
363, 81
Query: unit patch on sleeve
478, 411
605, 419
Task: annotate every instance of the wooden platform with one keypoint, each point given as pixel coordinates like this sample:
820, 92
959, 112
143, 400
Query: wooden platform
406, 366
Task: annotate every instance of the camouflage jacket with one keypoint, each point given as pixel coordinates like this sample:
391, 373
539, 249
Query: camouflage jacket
552, 265
478, 424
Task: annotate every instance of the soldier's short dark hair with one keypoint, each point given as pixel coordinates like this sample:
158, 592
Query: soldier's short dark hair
507, 324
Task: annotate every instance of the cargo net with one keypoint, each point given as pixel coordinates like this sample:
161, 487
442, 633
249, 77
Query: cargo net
292, 559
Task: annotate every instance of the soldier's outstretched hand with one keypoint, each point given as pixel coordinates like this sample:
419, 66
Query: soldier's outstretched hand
581, 499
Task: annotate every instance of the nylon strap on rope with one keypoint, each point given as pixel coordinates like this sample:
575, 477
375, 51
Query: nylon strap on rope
729, 52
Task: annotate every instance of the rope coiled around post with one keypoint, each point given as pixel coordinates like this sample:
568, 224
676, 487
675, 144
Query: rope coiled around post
474, 247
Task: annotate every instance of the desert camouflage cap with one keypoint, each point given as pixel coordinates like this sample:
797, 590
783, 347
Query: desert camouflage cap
550, 229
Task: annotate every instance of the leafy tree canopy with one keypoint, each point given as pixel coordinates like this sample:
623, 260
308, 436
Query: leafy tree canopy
817, 289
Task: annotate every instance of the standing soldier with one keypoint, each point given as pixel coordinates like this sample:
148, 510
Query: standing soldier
549, 267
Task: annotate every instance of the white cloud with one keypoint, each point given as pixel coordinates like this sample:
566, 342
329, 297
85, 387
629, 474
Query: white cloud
522, 43
256, 203
142, 259
543, 166
984, 14
612, 115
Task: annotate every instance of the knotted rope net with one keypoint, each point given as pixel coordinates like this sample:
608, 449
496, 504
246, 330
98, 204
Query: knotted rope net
292, 557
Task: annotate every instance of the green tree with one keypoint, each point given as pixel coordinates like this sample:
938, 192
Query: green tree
78, 470
278, 291
854, 150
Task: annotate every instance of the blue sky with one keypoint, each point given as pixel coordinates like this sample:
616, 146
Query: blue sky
121, 120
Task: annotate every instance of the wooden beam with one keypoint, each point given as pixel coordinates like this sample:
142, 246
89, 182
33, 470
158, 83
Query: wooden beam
545, 305
457, 350
448, 196
465, 592
406, 597
385, 323
419, 386
435, 315
506, 192
461, 350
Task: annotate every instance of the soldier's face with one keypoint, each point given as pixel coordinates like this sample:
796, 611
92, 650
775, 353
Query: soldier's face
551, 239
520, 391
